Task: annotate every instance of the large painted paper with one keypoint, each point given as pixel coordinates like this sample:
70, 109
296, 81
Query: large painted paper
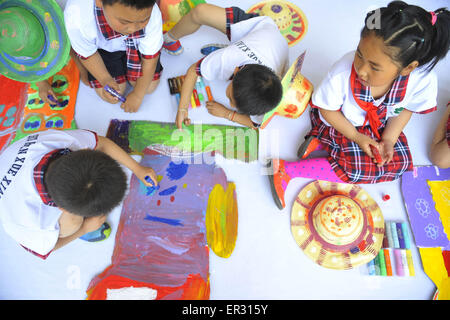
161, 240
424, 216
232, 142
173, 10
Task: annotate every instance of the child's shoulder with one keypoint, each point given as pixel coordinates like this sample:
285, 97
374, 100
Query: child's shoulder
342, 67
82, 4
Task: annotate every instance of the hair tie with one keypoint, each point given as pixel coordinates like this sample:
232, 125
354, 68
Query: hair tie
433, 17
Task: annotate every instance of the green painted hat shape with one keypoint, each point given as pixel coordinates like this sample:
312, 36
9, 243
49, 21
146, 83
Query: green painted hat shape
33, 40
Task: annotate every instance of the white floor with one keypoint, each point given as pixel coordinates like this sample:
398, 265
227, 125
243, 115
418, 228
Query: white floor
266, 263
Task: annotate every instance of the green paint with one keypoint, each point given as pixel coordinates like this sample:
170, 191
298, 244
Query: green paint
232, 142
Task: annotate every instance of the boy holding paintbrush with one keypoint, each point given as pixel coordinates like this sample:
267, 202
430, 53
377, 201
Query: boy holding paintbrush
254, 62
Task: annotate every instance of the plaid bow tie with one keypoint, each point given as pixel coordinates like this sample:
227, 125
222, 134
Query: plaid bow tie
134, 69
364, 99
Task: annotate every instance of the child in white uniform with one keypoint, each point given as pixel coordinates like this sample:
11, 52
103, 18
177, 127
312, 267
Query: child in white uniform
255, 61
57, 186
361, 107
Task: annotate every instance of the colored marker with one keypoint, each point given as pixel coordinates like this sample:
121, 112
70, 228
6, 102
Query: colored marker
114, 93
389, 234
376, 263
404, 262
208, 92
382, 263
371, 268
385, 243
399, 269
172, 87
149, 180
376, 154
410, 263
401, 239
406, 235
387, 259
197, 100
394, 235
50, 97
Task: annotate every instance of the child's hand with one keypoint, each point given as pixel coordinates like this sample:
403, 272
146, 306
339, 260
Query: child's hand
364, 142
45, 90
93, 223
217, 109
387, 151
146, 175
133, 103
182, 117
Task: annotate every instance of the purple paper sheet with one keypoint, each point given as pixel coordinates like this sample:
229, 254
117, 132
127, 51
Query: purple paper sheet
425, 220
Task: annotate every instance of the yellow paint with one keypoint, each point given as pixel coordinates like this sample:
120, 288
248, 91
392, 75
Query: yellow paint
159, 177
184, 185
434, 267
222, 220
440, 190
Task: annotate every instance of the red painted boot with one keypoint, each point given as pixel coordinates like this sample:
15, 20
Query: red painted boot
279, 181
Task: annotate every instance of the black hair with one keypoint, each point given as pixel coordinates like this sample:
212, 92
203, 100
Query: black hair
138, 4
85, 182
408, 30
256, 89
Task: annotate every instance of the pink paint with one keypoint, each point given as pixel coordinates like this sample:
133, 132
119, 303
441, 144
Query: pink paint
316, 168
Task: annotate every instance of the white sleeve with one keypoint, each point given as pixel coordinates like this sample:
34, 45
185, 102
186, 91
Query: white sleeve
424, 95
152, 43
82, 139
72, 139
219, 65
77, 25
329, 95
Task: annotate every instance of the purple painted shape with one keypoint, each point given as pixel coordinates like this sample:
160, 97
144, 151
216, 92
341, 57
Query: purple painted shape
424, 219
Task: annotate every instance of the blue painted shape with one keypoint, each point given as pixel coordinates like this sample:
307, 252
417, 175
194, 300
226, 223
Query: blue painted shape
172, 222
176, 171
168, 191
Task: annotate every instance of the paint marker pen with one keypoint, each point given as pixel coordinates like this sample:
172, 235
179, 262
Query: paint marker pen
406, 235
385, 243
371, 268
114, 93
399, 269
401, 239
410, 263
376, 263
387, 259
197, 100
389, 234
394, 235
382, 263
149, 180
208, 92
376, 154
404, 262
171, 87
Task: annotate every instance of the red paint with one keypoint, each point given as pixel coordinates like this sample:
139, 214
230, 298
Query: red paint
386, 197
158, 203
172, 199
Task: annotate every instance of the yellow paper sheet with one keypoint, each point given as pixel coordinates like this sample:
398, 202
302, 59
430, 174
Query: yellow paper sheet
440, 190
434, 267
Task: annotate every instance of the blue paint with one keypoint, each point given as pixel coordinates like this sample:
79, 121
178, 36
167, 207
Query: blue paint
172, 222
168, 191
151, 190
176, 171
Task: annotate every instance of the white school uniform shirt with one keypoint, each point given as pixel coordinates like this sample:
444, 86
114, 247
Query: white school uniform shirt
86, 37
335, 93
23, 214
253, 41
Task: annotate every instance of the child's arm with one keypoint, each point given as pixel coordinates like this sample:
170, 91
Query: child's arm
341, 124
95, 65
439, 151
135, 97
392, 131
219, 110
185, 96
114, 151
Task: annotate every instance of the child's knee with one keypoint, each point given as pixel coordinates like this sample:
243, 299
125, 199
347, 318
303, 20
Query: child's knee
199, 12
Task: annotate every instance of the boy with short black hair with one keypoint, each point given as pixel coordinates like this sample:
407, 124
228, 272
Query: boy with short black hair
117, 41
255, 61
58, 186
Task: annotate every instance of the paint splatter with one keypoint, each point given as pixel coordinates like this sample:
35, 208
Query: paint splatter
172, 222
168, 191
176, 171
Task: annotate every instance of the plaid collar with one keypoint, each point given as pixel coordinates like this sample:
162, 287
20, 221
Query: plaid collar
364, 99
39, 172
134, 68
